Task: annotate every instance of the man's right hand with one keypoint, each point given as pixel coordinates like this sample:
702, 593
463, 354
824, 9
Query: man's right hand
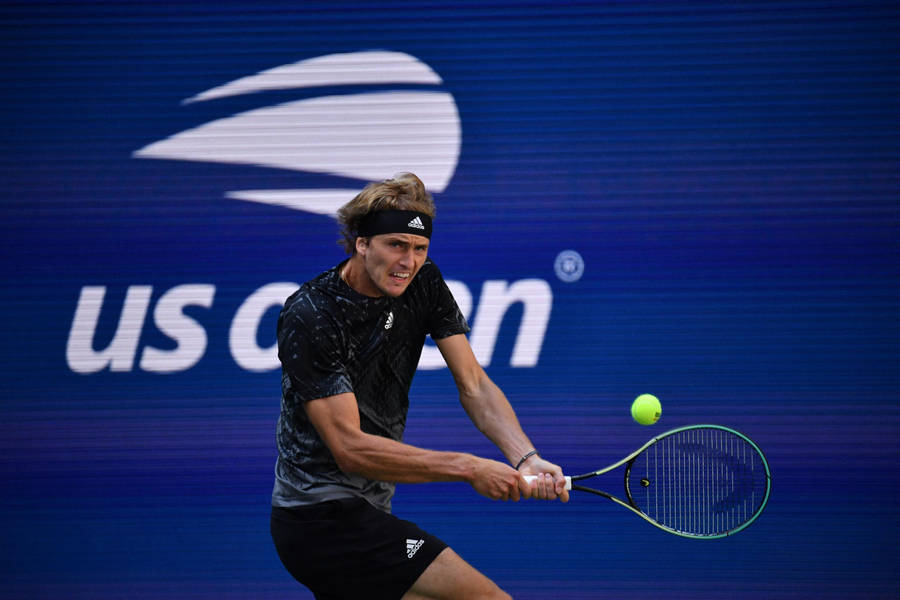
497, 480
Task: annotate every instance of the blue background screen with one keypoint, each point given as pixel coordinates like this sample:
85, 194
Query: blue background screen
694, 200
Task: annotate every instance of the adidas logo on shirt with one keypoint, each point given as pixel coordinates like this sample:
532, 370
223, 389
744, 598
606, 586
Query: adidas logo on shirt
390, 320
416, 223
412, 546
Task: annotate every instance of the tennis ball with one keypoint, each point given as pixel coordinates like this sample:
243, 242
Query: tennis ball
646, 409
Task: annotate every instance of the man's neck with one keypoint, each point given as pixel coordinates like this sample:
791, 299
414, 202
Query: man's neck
353, 272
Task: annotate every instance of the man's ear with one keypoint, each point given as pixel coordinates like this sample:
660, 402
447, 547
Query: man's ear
362, 244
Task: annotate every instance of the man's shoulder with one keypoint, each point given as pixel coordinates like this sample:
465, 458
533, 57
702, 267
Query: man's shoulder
429, 272
315, 294
430, 277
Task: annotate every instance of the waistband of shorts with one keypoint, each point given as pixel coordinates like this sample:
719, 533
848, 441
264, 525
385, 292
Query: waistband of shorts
319, 510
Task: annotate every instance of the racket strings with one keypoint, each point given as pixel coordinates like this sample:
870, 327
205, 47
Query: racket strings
702, 481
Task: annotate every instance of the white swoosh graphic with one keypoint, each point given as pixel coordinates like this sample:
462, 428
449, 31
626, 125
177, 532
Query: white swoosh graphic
365, 136
318, 201
371, 67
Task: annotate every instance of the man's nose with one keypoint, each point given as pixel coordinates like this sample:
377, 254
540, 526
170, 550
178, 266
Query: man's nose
408, 258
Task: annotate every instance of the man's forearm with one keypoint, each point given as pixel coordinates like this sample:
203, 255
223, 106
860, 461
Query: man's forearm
383, 459
490, 410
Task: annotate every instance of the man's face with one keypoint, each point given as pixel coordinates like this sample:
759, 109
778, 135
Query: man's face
391, 261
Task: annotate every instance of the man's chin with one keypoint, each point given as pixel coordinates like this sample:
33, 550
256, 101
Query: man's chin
394, 292
395, 289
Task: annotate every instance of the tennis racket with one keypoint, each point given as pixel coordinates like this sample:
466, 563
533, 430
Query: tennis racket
700, 481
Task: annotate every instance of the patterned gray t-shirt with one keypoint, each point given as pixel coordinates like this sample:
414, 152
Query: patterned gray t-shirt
333, 340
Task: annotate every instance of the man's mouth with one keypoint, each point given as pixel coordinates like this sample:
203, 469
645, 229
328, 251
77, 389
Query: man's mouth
401, 275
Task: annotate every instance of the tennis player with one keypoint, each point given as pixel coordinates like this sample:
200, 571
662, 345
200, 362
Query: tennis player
349, 342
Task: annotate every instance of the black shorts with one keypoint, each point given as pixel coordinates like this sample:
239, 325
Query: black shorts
347, 548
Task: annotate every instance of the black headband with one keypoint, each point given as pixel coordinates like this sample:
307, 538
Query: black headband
395, 221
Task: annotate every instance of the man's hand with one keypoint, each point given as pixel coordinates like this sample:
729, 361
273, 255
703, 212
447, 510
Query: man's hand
549, 482
498, 481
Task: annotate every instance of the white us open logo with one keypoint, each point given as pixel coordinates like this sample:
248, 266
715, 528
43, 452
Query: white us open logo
343, 135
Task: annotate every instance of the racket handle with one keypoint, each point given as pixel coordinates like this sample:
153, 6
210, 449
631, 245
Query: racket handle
530, 478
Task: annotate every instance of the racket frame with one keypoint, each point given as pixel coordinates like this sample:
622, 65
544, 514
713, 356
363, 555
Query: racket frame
630, 506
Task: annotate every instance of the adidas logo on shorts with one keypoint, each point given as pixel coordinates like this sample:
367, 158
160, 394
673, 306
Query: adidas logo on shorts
412, 546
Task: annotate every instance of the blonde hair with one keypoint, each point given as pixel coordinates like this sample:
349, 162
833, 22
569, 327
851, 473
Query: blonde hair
404, 192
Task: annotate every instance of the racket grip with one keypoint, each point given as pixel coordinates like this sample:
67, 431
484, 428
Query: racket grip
530, 478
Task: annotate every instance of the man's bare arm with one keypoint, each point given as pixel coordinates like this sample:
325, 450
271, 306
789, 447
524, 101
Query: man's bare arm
336, 419
490, 410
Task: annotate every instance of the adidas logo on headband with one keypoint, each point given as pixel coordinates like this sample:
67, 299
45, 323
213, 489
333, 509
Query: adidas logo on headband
395, 221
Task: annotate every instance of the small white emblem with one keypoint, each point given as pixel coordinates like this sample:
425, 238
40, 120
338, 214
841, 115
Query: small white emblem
569, 266
412, 546
390, 320
416, 223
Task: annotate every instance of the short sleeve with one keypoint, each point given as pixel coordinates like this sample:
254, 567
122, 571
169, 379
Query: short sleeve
445, 317
311, 350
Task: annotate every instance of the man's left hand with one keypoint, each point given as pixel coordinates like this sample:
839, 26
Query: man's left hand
549, 482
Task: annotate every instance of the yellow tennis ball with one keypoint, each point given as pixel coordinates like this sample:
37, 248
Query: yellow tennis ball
646, 409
